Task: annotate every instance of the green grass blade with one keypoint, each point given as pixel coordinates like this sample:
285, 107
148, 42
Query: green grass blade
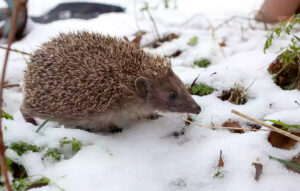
287, 163
42, 125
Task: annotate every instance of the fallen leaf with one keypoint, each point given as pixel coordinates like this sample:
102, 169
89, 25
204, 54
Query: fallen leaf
137, 40
221, 162
258, 170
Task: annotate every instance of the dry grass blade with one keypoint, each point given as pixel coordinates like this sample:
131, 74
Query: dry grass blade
11, 36
218, 127
285, 133
16, 50
11, 85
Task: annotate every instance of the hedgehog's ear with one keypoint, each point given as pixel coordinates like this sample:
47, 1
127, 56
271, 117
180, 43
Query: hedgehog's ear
142, 86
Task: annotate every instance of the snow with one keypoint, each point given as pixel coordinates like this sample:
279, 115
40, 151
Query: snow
145, 156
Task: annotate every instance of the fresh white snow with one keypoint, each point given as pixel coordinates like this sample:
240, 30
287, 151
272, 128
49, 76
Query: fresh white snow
145, 156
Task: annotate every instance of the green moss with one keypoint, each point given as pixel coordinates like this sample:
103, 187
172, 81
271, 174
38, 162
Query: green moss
21, 147
201, 89
202, 63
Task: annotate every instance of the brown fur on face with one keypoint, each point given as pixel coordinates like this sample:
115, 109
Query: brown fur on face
168, 94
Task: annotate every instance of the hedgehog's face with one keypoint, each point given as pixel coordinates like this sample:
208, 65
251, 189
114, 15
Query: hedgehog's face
168, 94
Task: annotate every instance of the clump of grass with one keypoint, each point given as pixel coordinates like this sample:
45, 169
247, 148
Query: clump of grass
6, 115
27, 183
21, 147
20, 179
201, 89
202, 63
76, 144
52, 154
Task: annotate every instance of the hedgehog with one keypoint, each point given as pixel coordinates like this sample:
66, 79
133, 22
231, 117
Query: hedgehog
97, 82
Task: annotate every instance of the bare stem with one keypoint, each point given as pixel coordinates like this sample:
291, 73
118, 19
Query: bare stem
16, 50
280, 131
11, 36
11, 85
153, 21
232, 128
298, 77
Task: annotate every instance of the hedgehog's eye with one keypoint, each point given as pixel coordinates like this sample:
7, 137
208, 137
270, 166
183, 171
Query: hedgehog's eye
172, 95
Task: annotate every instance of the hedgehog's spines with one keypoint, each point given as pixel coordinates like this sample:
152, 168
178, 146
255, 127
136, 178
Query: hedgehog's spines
79, 73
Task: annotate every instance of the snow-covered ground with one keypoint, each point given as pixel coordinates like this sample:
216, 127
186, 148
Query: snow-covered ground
145, 156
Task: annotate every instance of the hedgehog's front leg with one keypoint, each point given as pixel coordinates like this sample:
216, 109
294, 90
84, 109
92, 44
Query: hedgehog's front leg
112, 128
26, 114
152, 116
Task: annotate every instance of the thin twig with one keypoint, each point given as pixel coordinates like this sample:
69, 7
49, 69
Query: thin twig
11, 37
280, 131
135, 16
11, 85
232, 18
153, 21
211, 26
232, 128
16, 50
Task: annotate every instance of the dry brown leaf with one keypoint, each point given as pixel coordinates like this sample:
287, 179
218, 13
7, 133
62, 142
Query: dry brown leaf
258, 170
221, 162
137, 40
230, 123
223, 43
280, 141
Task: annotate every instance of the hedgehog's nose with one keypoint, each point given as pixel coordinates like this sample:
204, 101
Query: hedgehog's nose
197, 109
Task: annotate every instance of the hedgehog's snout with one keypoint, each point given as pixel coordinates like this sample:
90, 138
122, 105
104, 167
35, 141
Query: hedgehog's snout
197, 109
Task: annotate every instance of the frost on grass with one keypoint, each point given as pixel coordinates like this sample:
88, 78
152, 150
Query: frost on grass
52, 154
76, 144
20, 179
21, 147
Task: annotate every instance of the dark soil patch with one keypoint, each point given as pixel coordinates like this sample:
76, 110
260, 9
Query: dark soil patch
175, 54
285, 76
236, 95
253, 125
159, 42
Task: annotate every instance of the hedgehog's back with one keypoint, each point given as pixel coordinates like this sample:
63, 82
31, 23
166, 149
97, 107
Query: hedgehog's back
75, 74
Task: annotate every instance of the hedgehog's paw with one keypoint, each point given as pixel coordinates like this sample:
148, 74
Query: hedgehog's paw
31, 120
152, 116
112, 128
